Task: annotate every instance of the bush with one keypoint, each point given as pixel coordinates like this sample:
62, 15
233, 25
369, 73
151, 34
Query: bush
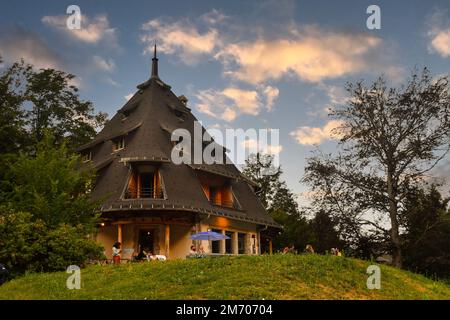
29, 245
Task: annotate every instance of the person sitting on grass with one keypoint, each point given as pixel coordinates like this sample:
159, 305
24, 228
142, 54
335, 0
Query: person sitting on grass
309, 248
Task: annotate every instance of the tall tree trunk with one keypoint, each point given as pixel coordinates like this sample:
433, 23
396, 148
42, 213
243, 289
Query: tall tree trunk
395, 237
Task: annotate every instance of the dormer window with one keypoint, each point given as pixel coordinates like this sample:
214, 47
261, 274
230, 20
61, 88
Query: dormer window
144, 182
118, 144
218, 190
86, 156
179, 114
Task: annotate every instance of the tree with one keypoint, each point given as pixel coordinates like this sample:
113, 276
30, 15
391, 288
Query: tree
51, 187
34, 101
389, 139
427, 232
13, 119
56, 106
28, 244
259, 168
325, 233
278, 200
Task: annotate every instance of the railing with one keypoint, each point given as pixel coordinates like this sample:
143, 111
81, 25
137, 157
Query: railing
144, 192
224, 203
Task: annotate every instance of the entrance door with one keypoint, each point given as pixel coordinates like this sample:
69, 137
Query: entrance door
146, 238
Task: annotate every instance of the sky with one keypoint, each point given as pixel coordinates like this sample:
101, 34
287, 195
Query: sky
241, 64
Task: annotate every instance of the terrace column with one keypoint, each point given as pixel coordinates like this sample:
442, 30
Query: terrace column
258, 242
119, 233
222, 244
167, 240
234, 243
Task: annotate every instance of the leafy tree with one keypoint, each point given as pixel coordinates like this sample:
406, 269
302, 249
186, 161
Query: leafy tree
325, 233
427, 235
34, 101
50, 186
259, 168
27, 244
278, 200
389, 139
13, 119
56, 106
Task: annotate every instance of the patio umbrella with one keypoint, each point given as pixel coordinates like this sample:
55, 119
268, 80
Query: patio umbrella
209, 235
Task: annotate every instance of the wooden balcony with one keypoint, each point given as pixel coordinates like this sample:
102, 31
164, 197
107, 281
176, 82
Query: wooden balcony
144, 193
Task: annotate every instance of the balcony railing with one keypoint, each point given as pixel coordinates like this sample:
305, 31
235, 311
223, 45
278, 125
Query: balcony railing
144, 193
224, 203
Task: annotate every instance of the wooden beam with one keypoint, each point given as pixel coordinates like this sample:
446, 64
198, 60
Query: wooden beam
138, 222
167, 240
119, 233
270, 247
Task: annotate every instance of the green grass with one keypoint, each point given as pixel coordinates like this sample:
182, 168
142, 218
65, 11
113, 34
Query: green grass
257, 277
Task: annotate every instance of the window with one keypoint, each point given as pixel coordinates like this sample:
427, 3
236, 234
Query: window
86, 156
144, 182
241, 243
119, 144
220, 195
218, 190
179, 114
215, 245
228, 242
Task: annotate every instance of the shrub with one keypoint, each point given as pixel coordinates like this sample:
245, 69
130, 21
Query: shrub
30, 245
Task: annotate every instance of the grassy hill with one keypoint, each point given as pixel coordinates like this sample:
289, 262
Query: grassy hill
258, 277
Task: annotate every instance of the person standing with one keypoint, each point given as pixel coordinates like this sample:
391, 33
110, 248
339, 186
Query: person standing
116, 251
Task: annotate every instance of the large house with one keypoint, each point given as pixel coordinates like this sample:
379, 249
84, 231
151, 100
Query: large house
150, 202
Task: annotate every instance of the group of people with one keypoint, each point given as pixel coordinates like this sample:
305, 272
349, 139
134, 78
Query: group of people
309, 249
289, 249
193, 252
144, 254
336, 252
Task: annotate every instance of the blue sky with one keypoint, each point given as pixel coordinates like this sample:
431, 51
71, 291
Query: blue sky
242, 64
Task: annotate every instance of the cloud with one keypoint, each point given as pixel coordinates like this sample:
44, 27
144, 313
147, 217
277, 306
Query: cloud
440, 42
214, 104
112, 82
129, 96
19, 43
182, 37
103, 64
310, 53
93, 30
261, 146
438, 33
245, 100
228, 103
213, 17
271, 94
337, 95
316, 135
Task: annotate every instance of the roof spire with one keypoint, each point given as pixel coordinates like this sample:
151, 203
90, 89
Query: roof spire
154, 64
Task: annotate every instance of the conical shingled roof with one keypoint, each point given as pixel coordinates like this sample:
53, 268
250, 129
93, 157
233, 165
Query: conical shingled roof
146, 121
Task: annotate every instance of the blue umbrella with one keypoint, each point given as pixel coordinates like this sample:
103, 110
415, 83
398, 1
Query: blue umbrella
209, 235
